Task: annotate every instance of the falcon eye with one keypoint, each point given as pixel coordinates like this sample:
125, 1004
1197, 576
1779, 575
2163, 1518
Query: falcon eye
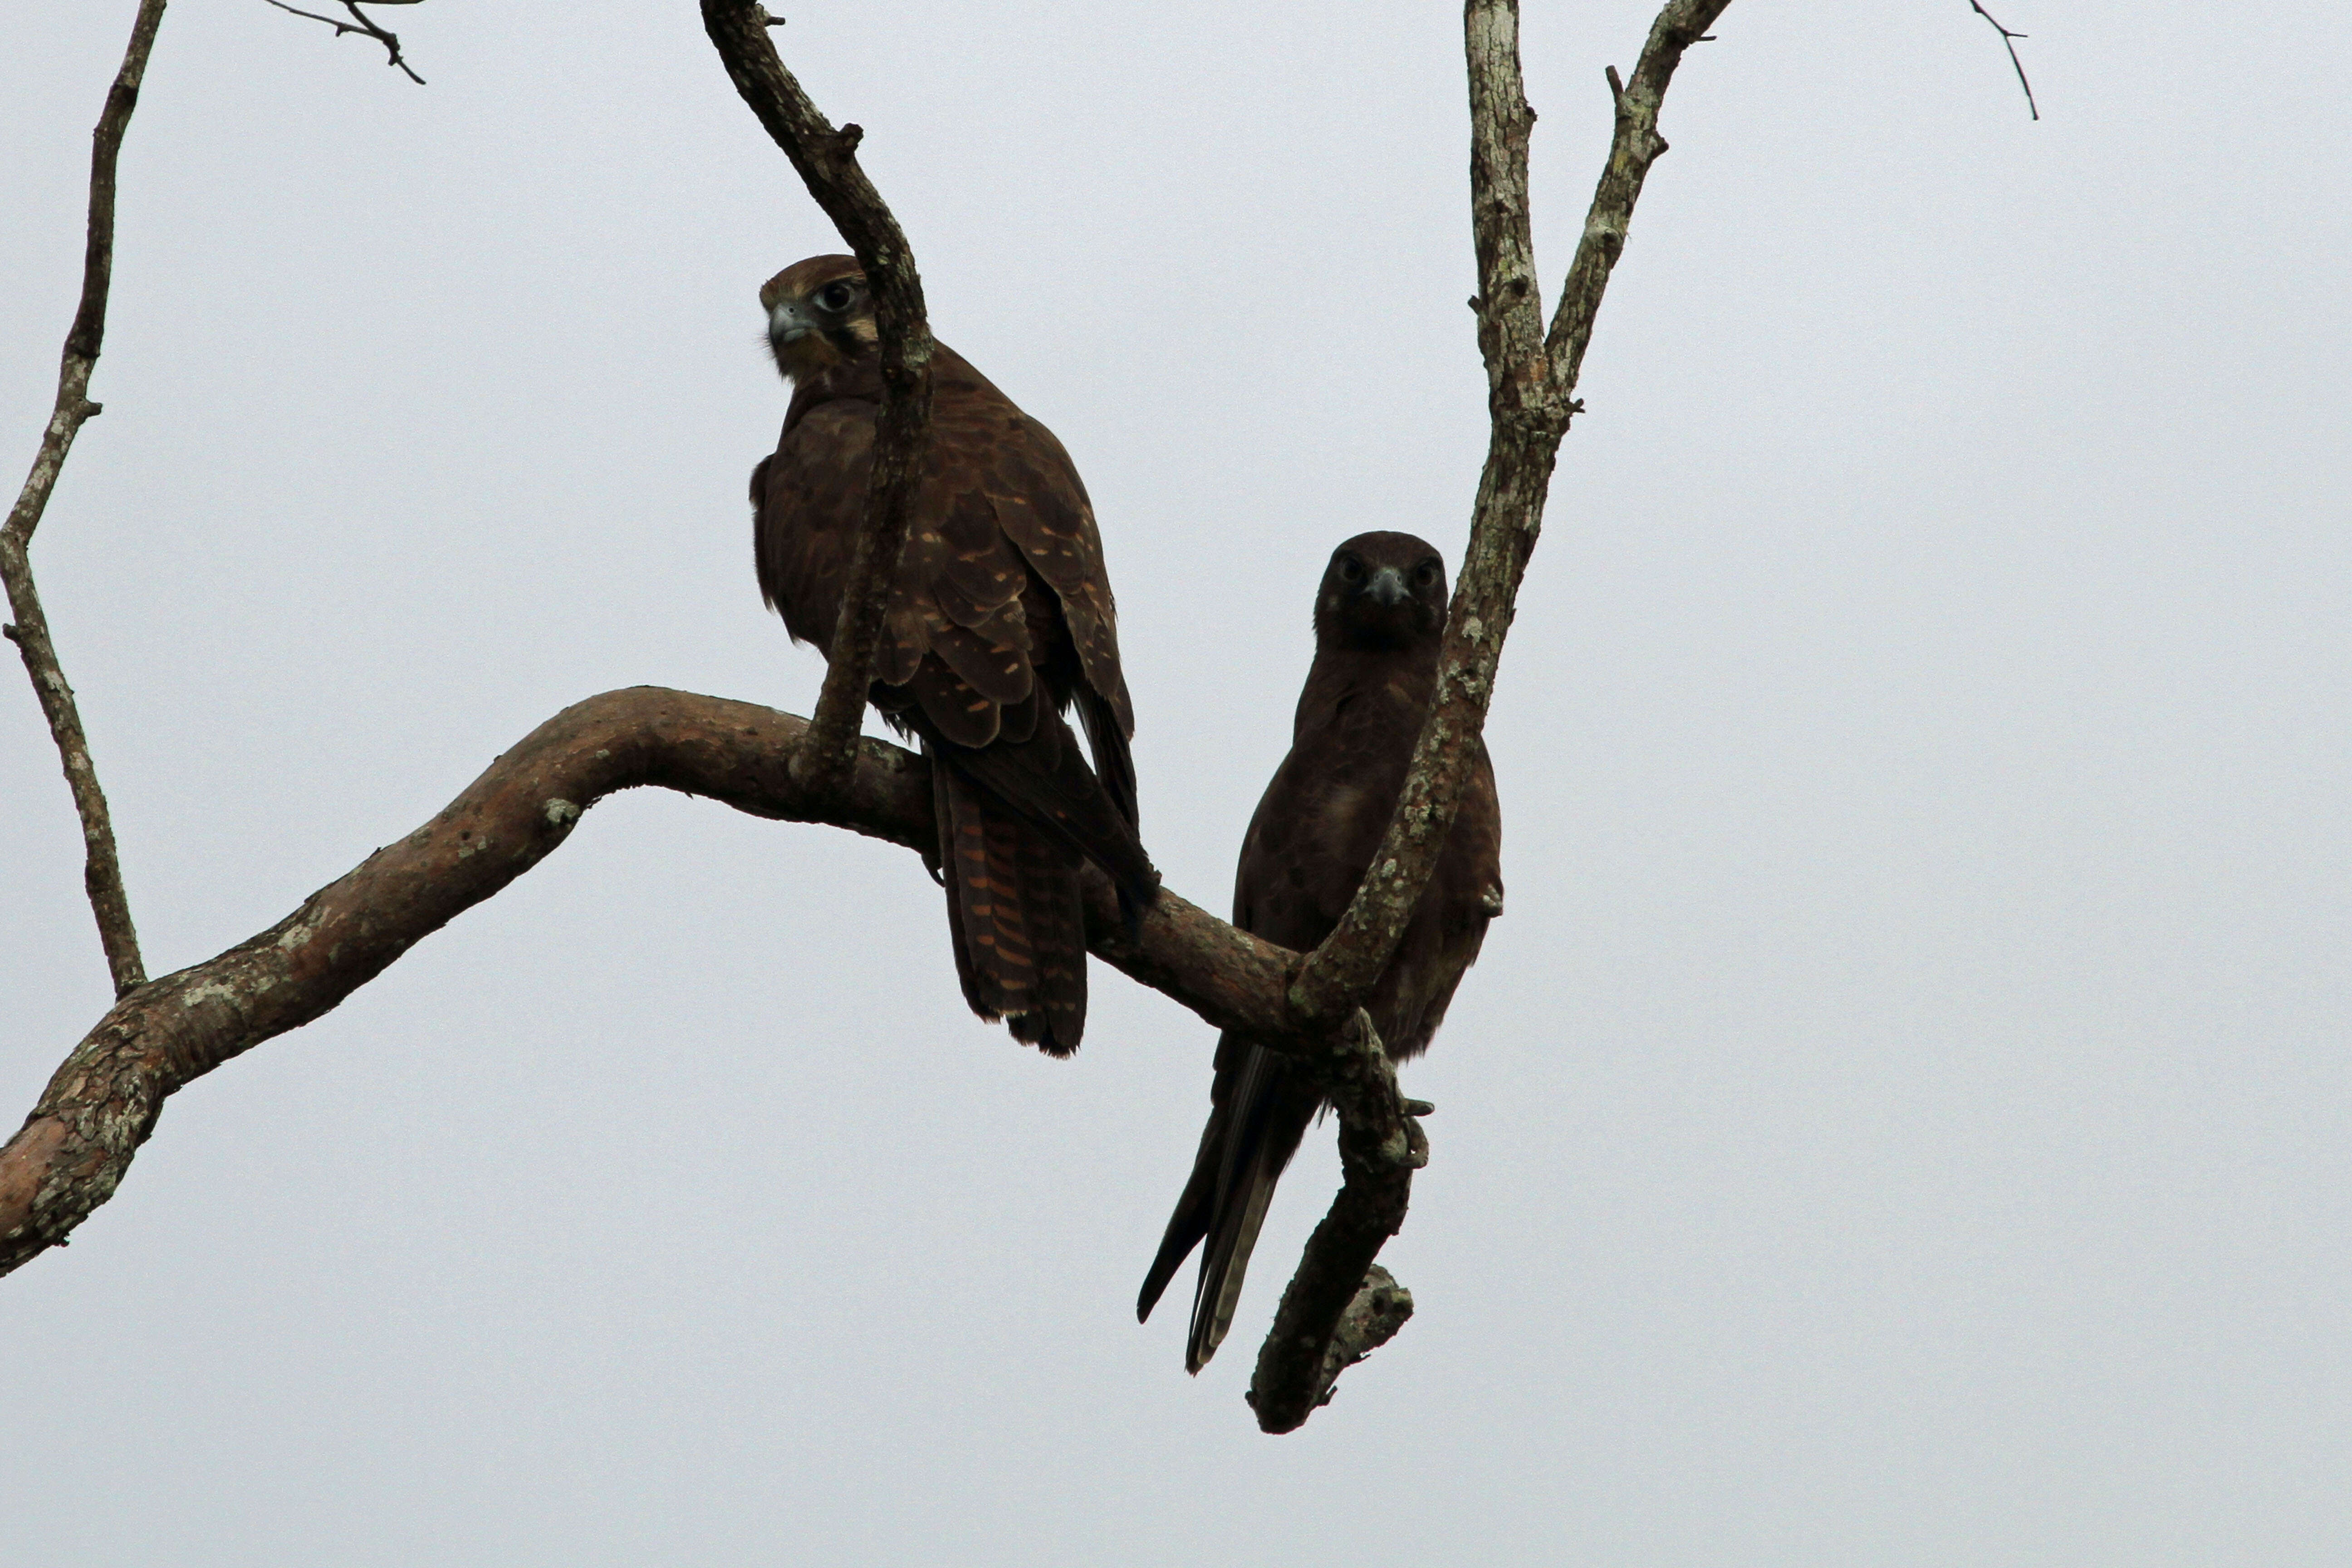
1425, 575
1350, 569
836, 296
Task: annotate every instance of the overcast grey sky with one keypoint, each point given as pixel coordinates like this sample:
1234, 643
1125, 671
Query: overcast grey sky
1904, 1118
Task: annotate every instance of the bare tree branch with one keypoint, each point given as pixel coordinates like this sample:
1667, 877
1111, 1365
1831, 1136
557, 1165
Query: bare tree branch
102, 868
2008, 42
1381, 1146
827, 161
366, 26
1380, 1308
1531, 381
101, 1103
1531, 384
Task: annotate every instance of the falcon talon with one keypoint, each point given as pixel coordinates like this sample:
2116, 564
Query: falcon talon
1419, 1108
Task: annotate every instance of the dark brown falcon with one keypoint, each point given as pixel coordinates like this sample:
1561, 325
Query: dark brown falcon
1000, 621
1379, 617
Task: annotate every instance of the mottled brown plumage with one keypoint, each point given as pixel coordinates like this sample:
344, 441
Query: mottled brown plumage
999, 618
1378, 616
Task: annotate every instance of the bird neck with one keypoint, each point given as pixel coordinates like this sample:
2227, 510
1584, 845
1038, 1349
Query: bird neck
860, 378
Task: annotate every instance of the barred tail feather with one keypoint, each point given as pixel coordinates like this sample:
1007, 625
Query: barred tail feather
977, 853
1044, 780
1056, 915
1016, 914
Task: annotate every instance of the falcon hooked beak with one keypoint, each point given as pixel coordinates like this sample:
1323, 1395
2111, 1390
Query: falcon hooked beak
1388, 587
788, 323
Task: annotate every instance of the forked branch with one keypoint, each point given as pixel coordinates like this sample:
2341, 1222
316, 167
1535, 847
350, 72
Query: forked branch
827, 160
1531, 384
2008, 41
366, 26
101, 866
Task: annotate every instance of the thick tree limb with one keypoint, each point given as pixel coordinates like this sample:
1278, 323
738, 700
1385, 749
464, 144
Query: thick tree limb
827, 161
1531, 384
102, 868
101, 1104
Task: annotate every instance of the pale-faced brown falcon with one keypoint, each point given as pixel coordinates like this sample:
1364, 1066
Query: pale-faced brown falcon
1000, 620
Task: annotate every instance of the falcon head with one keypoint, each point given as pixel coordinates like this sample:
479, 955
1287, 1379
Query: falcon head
820, 315
1381, 591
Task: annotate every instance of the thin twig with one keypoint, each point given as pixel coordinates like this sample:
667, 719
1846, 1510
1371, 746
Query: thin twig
827, 160
366, 26
101, 1103
2008, 42
102, 868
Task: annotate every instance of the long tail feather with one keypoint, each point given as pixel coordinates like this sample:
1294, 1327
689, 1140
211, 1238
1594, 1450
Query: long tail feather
1190, 1223
1057, 916
1016, 914
1259, 1115
979, 849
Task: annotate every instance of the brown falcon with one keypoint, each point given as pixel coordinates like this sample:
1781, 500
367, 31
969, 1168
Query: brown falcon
1000, 621
1378, 616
